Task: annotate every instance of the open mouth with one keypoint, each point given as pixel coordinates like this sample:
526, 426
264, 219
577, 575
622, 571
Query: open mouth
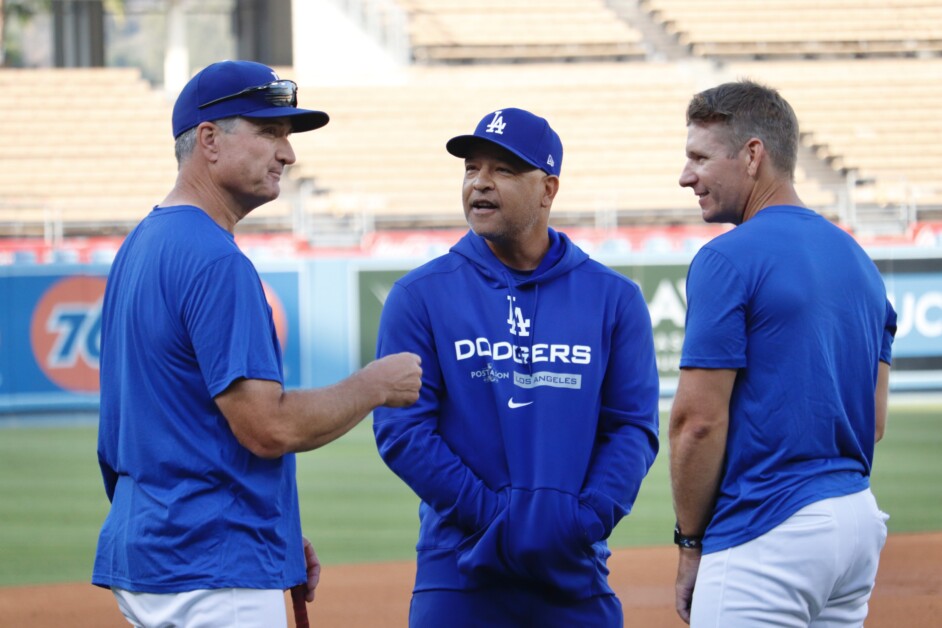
483, 206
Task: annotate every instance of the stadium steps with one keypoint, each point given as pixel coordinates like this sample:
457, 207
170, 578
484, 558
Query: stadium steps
658, 43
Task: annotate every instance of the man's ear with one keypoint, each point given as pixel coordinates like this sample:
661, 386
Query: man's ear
550, 188
207, 140
755, 151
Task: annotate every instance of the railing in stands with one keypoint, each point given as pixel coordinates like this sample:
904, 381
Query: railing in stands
384, 21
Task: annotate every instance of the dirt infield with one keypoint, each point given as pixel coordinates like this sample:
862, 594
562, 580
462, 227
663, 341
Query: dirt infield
908, 593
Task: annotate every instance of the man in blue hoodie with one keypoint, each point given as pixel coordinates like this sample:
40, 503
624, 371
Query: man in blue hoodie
537, 419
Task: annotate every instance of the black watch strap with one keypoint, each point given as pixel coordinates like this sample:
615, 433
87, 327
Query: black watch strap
687, 542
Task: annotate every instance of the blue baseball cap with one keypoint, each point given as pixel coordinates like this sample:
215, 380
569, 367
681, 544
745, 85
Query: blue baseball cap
241, 88
524, 134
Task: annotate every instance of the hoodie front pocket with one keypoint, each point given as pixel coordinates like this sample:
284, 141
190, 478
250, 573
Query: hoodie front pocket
538, 538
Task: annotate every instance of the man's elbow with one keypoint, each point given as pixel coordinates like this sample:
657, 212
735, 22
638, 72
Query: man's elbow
265, 445
703, 430
695, 426
879, 432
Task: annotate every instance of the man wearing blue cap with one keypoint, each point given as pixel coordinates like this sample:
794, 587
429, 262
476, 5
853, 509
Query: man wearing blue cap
197, 435
538, 414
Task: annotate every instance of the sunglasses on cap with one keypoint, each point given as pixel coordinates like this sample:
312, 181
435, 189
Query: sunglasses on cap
281, 93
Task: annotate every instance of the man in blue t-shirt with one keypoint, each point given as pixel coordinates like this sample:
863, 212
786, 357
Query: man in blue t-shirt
783, 386
197, 434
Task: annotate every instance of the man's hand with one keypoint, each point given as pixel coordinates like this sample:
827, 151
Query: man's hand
399, 377
687, 566
313, 569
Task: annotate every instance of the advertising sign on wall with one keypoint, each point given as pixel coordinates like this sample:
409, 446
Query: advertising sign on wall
914, 286
50, 336
50, 323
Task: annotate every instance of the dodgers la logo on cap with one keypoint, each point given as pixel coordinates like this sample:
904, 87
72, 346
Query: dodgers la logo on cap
524, 134
497, 124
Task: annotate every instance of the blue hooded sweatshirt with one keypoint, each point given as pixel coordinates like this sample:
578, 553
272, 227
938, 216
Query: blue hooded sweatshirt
537, 419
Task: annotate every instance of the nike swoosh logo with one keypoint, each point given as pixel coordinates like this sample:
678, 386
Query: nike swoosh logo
513, 404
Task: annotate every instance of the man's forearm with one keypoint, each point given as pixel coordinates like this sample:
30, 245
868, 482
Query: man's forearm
698, 427
696, 468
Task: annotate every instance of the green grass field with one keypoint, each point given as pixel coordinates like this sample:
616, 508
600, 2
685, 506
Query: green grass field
354, 509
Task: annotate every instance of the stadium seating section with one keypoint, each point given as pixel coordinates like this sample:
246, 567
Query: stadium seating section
90, 150
83, 145
450, 31
803, 27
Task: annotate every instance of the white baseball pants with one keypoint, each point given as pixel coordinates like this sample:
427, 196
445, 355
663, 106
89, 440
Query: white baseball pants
816, 570
204, 608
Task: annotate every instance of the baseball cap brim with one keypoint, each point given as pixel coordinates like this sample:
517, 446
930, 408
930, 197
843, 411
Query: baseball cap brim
301, 119
463, 145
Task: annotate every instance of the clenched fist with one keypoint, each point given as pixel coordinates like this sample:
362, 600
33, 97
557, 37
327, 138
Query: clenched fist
399, 376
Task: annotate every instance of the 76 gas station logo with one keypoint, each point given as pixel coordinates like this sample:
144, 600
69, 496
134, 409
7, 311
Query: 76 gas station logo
65, 332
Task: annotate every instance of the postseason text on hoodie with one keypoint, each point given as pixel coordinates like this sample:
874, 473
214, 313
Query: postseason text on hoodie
537, 420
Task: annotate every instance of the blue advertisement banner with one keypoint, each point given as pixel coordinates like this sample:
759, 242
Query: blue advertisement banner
914, 287
49, 338
50, 323
50, 329
917, 299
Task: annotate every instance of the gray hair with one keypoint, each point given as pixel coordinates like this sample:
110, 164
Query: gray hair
186, 141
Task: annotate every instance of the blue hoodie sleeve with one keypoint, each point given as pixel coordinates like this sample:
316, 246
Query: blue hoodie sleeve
408, 439
627, 440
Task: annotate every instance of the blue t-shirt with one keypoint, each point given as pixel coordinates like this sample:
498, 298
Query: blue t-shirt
797, 306
184, 316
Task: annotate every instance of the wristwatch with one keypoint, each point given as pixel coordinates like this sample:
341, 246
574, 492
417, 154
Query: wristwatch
686, 542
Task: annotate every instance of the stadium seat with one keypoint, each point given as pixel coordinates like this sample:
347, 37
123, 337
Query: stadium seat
796, 28
90, 148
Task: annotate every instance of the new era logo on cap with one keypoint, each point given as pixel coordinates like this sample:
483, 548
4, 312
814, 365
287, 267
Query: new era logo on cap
524, 134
